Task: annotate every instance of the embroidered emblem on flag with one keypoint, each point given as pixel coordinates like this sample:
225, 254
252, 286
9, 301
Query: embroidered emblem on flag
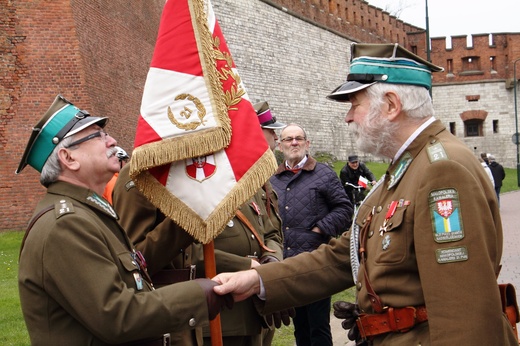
199, 151
201, 167
445, 213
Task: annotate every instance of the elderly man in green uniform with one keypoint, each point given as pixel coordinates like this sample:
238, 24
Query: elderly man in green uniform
425, 248
80, 279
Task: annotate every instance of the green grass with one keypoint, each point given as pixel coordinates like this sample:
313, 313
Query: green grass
13, 328
14, 332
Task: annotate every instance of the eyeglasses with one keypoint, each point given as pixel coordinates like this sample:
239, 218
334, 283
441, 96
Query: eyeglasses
101, 134
290, 139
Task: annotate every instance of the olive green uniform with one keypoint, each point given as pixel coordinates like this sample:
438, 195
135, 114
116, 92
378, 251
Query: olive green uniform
80, 285
234, 249
441, 248
164, 244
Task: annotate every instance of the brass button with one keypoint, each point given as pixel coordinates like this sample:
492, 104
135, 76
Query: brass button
379, 209
192, 322
358, 286
371, 233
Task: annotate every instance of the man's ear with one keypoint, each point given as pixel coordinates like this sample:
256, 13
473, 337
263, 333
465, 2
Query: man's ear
67, 159
393, 106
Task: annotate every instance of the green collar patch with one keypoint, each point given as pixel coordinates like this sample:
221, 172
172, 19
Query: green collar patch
401, 168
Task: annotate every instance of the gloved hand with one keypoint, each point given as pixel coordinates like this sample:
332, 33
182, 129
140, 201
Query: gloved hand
268, 259
215, 302
280, 316
349, 312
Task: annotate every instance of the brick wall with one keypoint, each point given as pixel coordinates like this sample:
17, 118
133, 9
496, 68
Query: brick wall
96, 53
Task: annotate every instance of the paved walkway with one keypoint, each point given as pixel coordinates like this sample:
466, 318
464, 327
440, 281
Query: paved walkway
510, 212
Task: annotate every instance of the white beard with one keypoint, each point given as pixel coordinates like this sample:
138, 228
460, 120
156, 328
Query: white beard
375, 135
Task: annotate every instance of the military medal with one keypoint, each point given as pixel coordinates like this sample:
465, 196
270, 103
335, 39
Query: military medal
386, 242
389, 214
138, 281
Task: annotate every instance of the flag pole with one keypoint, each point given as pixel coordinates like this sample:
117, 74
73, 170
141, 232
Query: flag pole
211, 271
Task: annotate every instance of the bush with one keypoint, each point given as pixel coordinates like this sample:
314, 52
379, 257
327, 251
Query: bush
326, 158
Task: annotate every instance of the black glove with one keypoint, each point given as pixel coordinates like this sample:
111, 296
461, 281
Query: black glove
349, 312
215, 302
280, 316
268, 259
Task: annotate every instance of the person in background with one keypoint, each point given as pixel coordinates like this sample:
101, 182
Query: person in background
484, 157
269, 126
123, 159
314, 209
499, 174
351, 173
268, 123
428, 233
80, 279
488, 171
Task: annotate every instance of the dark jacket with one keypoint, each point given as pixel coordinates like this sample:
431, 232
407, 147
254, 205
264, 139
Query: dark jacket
498, 173
350, 175
311, 197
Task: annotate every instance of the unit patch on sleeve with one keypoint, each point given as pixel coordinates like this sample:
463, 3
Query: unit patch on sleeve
445, 213
451, 254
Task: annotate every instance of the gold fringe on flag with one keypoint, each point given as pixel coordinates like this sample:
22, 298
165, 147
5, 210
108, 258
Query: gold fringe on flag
206, 230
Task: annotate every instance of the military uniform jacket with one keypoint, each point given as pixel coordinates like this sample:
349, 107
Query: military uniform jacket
441, 248
79, 284
235, 247
158, 237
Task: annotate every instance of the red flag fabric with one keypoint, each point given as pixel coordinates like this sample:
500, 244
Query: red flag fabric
199, 152
363, 182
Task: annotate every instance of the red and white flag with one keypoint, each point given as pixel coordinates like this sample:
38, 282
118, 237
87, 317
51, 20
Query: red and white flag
363, 182
199, 152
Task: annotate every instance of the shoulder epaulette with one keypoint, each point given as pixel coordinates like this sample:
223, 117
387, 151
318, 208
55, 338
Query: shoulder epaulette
436, 151
130, 184
63, 207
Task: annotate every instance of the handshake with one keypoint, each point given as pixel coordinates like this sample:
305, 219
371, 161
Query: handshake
223, 290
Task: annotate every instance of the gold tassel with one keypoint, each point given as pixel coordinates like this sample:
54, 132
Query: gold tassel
206, 230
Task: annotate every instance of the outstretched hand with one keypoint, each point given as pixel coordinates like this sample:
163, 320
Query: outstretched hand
215, 302
241, 285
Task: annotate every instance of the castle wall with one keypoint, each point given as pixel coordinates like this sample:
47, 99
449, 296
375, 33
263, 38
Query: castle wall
291, 53
451, 101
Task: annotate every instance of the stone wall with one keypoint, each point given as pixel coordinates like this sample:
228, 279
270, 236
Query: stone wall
451, 101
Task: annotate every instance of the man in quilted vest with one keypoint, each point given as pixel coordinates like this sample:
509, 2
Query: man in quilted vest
314, 208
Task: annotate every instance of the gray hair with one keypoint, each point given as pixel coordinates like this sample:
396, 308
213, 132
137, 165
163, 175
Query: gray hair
416, 100
297, 125
52, 169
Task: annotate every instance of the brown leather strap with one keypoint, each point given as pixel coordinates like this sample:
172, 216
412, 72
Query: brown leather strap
171, 276
268, 198
31, 224
391, 320
243, 218
164, 341
377, 305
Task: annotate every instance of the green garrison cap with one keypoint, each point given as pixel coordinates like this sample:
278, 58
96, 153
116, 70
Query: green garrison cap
60, 121
384, 63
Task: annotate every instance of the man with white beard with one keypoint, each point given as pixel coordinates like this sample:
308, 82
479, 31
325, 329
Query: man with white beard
428, 234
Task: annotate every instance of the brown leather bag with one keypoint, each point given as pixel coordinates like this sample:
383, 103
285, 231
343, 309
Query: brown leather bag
509, 304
